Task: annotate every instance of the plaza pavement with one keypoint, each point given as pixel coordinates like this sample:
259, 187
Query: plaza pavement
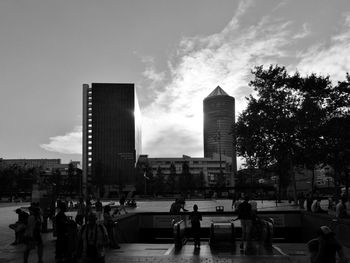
156, 252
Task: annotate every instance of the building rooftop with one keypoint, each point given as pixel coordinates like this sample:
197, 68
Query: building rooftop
218, 91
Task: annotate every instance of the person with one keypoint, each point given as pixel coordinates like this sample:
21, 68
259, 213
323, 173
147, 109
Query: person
182, 203
324, 248
340, 209
32, 234
237, 203
254, 205
80, 212
62, 233
301, 200
308, 202
330, 204
234, 199
70, 205
20, 226
316, 206
246, 217
176, 207
195, 218
92, 239
122, 204
88, 208
98, 206
109, 224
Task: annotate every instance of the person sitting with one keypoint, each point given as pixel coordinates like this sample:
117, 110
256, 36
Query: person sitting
20, 226
324, 248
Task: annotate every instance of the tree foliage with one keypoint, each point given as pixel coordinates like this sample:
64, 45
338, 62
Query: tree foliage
293, 120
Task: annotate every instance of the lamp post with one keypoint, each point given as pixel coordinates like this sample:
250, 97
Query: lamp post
275, 178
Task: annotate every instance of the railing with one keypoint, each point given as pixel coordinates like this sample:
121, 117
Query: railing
179, 233
222, 232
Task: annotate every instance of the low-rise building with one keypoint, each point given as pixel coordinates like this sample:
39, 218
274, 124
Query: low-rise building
210, 167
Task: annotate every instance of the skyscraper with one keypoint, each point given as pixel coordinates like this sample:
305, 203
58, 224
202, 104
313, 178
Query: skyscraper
111, 137
219, 117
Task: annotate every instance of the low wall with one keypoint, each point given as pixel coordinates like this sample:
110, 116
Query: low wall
290, 226
155, 227
127, 228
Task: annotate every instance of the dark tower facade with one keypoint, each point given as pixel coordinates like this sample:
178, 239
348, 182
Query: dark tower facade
219, 117
111, 136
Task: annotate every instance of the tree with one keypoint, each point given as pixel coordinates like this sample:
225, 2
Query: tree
264, 134
287, 122
158, 184
184, 178
171, 182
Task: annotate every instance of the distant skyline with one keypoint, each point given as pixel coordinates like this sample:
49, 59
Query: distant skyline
176, 53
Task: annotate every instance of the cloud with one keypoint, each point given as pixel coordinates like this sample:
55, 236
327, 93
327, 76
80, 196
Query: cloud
197, 67
70, 143
304, 33
329, 58
173, 118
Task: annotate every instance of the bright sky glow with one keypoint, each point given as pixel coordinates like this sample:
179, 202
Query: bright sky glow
176, 53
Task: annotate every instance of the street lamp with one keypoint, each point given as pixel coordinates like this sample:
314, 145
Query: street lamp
275, 179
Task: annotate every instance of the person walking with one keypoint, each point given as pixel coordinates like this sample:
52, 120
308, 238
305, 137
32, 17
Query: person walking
32, 234
80, 212
92, 239
109, 224
324, 248
88, 208
195, 218
246, 217
62, 232
98, 206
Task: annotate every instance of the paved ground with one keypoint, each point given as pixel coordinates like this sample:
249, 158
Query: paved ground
156, 252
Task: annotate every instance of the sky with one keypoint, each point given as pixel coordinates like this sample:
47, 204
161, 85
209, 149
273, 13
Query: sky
176, 53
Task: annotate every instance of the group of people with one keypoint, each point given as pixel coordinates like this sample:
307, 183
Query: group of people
338, 205
87, 241
84, 238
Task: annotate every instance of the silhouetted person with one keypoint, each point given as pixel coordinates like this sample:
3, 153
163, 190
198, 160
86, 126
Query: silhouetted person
246, 217
109, 224
301, 200
33, 234
81, 208
98, 206
62, 232
20, 226
340, 209
92, 239
122, 204
88, 208
308, 202
195, 218
316, 206
324, 248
